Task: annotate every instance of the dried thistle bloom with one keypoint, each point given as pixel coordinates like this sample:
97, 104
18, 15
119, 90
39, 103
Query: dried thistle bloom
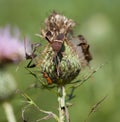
64, 56
11, 47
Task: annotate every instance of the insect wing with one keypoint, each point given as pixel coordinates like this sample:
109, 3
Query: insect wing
82, 49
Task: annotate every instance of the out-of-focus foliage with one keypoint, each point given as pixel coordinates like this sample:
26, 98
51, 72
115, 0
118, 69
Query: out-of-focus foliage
99, 22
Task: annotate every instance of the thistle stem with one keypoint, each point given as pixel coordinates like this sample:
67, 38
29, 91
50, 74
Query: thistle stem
63, 112
9, 112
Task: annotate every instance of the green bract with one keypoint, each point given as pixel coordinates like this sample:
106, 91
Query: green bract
69, 66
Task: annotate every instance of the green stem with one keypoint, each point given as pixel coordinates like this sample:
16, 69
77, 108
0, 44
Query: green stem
9, 112
63, 112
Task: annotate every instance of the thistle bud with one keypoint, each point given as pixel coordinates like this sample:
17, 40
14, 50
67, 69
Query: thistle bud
67, 68
7, 85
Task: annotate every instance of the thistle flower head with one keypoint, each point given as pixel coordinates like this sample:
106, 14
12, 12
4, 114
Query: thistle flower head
11, 47
62, 60
57, 24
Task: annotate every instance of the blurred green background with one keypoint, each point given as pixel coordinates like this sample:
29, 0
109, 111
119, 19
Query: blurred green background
99, 22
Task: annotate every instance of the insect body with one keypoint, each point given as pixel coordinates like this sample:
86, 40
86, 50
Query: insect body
85, 48
45, 75
57, 44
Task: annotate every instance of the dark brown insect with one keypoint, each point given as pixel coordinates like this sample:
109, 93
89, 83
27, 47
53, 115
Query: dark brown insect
56, 45
82, 49
85, 48
45, 75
